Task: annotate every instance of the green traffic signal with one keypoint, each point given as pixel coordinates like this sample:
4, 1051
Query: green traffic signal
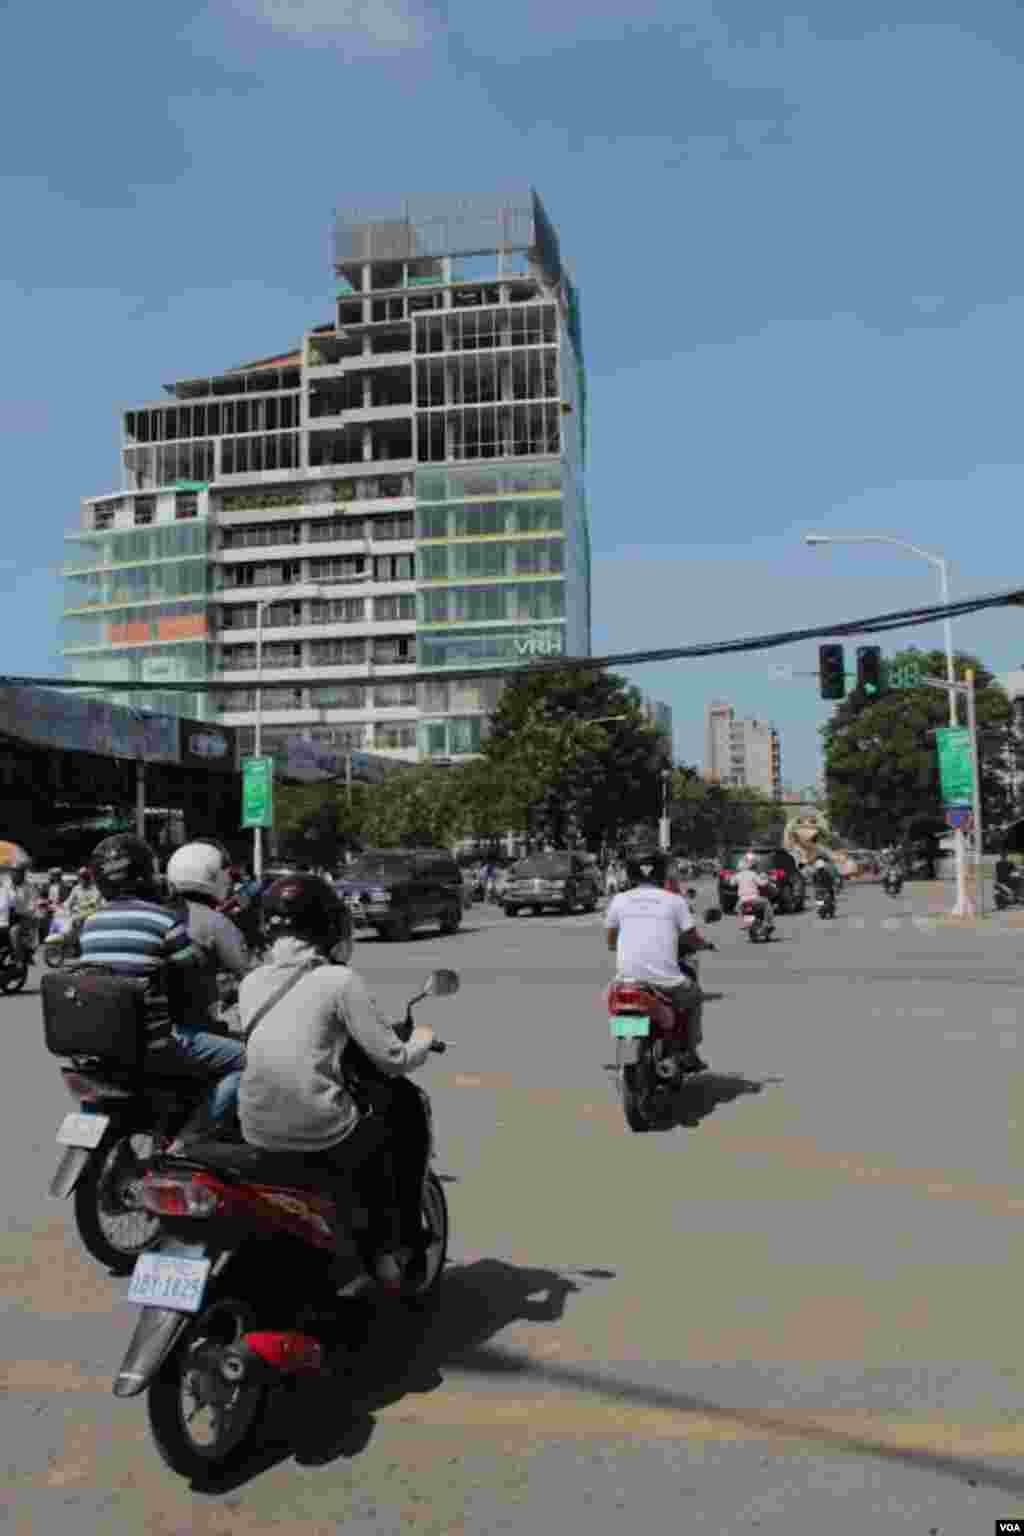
869, 670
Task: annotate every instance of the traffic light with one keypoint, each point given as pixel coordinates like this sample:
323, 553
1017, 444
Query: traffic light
832, 671
869, 670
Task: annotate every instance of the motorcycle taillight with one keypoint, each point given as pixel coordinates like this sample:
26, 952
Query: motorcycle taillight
624, 999
181, 1195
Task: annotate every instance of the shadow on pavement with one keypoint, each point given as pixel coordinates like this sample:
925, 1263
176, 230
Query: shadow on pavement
385, 1351
701, 1095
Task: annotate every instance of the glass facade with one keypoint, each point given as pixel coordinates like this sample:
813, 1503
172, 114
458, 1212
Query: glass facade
135, 610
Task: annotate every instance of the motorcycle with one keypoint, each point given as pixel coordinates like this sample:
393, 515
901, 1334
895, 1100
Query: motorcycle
758, 920
652, 1043
1004, 895
230, 1295
13, 972
124, 1120
892, 882
61, 942
825, 903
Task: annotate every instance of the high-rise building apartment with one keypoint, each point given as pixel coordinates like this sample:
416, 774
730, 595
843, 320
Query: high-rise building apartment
741, 752
402, 493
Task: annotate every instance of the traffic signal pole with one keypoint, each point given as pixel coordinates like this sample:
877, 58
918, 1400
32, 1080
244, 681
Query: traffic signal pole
965, 905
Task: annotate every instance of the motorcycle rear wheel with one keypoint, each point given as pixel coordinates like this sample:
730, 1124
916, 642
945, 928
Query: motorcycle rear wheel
12, 980
113, 1228
202, 1423
631, 1089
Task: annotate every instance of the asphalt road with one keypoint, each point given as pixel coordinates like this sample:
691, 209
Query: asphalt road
797, 1312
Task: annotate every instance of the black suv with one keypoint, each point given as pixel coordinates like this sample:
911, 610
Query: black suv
562, 880
775, 864
394, 890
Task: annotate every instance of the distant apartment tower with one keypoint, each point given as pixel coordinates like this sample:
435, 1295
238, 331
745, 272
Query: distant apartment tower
414, 470
742, 753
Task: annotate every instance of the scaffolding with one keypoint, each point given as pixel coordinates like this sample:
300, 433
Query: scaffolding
471, 226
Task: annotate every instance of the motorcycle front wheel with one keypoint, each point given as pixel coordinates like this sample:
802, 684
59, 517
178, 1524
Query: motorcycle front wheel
53, 955
111, 1220
201, 1419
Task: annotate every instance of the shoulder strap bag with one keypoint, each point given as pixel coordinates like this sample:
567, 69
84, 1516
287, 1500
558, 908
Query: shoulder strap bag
282, 991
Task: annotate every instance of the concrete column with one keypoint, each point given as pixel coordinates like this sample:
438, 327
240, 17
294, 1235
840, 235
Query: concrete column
367, 445
368, 390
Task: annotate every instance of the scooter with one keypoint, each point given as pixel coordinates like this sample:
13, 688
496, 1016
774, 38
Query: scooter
13, 972
229, 1296
1004, 895
892, 882
61, 942
652, 1044
825, 904
757, 919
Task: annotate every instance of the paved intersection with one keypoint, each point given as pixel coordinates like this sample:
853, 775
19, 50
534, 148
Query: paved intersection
797, 1313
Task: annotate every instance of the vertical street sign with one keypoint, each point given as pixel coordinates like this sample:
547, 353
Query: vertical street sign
258, 792
955, 765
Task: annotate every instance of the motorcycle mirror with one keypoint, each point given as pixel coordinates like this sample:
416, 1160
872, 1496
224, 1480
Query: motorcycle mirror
713, 915
441, 984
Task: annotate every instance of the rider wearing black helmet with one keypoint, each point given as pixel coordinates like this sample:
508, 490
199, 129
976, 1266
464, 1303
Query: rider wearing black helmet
301, 1088
136, 934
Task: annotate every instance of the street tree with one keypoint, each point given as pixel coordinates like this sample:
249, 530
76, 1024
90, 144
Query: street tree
582, 762
707, 818
881, 763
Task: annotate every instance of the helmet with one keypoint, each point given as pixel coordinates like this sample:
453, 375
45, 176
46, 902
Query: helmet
86, 872
199, 869
750, 860
125, 866
647, 867
308, 908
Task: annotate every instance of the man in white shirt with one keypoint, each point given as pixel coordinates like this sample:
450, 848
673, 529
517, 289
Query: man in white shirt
648, 926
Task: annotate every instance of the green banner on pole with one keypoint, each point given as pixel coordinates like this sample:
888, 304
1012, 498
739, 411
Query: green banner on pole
257, 792
955, 775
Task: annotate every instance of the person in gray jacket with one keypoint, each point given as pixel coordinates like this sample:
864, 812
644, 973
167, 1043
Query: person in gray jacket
197, 875
304, 1087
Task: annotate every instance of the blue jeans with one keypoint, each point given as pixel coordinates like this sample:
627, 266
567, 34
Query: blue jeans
220, 1059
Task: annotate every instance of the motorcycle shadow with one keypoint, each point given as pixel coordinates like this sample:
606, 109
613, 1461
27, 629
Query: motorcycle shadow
700, 1096
385, 1351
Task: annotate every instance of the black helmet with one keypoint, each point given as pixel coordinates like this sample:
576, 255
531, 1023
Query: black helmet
125, 866
308, 908
646, 866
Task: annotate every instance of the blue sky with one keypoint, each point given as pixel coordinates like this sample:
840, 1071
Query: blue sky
796, 229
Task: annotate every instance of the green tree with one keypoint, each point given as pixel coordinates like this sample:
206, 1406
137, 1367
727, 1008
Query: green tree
881, 764
416, 808
708, 818
573, 771
315, 823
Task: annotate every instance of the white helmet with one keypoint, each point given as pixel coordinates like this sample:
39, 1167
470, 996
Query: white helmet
199, 869
749, 860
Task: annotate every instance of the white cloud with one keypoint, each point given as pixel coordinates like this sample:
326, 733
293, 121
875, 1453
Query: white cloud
383, 24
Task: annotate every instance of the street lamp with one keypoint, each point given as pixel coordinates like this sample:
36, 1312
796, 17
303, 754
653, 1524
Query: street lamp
942, 566
302, 590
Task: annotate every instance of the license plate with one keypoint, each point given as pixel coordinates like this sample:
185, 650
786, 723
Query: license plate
629, 1026
81, 1130
164, 1280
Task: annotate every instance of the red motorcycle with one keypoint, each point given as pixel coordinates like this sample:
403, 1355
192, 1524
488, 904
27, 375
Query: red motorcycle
238, 1296
653, 1041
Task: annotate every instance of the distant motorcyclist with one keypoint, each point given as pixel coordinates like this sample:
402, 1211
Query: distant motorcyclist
17, 913
649, 928
751, 886
824, 876
1008, 874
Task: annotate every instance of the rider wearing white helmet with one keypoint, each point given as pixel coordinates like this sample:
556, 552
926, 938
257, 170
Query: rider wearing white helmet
197, 874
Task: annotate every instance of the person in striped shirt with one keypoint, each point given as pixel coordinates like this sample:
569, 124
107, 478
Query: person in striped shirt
135, 934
